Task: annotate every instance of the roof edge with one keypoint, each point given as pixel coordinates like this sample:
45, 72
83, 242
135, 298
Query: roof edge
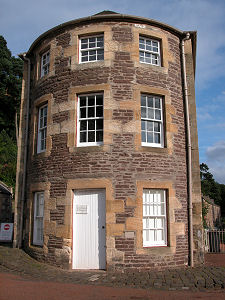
7, 189
106, 17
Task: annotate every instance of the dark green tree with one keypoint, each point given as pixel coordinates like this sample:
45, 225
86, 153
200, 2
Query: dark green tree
208, 184
211, 188
11, 72
8, 156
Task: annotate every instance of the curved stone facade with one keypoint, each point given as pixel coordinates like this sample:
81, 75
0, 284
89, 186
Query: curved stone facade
121, 165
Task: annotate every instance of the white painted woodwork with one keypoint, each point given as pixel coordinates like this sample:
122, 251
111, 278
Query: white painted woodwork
89, 229
38, 218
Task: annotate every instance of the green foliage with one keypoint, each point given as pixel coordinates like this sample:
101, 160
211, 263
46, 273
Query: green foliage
8, 156
211, 188
205, 209
11, 73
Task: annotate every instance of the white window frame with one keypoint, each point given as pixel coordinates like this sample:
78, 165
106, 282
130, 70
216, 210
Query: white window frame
89, 49
42, 128
95, 118
154, 218
149, 51
38, 224
152, 115
45, 63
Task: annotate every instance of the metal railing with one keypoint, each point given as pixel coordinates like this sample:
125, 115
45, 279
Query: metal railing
214, 241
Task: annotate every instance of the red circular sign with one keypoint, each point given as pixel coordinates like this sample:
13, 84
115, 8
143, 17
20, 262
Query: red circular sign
6, 227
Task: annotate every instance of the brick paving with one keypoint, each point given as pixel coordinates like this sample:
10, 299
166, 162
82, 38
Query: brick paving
200, 278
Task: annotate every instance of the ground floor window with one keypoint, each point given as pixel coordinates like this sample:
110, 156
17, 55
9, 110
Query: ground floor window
154, 218
38, 218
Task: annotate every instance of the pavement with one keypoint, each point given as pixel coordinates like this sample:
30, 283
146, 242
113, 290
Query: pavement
205, 278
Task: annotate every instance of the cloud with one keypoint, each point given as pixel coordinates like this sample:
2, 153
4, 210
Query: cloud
26, 20
215, 159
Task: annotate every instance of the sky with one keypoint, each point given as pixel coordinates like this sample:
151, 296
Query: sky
21, 22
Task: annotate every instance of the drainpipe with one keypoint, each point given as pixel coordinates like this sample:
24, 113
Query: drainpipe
187, 37
24, 58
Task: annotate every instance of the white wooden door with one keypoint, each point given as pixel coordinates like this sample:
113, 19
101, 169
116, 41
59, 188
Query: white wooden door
89, 229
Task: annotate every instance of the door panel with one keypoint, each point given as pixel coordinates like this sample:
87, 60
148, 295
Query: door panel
89, 229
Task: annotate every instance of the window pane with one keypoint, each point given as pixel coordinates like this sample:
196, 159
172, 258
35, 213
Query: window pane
99, 111
92, 58
157, 114
143, 125
99, 100
84, 46
99, 124
100, 39
83, 125
91, 125
100, 44
84, 41
100, 57
150, 101
141, 55
99, 136
83, 136
91, 136
157, 103
92, 52
84, 58
82, 101
83, 112
150, 126
143, 136
143, 112
91, 45
156, 127
91, 100
159, 236
157, 138
150, 137
91, 112
150, 113
143, 100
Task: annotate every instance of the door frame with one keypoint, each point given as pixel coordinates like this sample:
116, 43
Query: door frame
73, 221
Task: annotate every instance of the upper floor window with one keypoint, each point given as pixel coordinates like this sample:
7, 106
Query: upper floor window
90, 120
154, 218
152, 121
45, 62
91, 48
42, 128
149, 51
38, 222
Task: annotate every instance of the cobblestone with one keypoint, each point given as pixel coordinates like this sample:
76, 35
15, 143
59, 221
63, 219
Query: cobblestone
195, 279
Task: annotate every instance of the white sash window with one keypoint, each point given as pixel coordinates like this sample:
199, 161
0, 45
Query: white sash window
38, 218
42, 128
154, 218
152, 121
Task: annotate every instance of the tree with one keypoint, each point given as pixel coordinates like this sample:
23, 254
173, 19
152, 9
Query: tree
11, 73
8, 155
211, 188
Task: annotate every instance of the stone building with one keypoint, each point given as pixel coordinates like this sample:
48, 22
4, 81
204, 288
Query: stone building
108, 169
213, 214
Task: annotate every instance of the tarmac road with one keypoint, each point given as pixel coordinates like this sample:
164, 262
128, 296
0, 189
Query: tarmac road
14, 287
23, 278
